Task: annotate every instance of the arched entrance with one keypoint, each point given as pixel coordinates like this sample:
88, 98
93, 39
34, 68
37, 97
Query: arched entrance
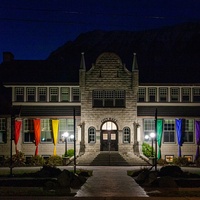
109, 136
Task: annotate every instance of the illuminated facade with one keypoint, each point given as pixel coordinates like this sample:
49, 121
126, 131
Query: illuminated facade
113, 111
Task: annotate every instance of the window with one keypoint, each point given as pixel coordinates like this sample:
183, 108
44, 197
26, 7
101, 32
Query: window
30, 94
75, 94
142, 94
108, 98
169, 131
3, 135
185, 94
152, 94
46, 130
28, 130
169, 158
66, 125
196, 94
65, 94
42, 94
163, 94
188, 126
19, 94
53, 94
189, 158
126, 135
174, 94
91, 135
149, 127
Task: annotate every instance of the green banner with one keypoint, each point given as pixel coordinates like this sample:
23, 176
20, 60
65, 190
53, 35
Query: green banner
159, 136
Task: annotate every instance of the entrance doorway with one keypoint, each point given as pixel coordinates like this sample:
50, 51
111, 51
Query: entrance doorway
109, 137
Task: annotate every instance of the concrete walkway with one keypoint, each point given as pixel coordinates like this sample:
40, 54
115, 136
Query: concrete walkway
110, 182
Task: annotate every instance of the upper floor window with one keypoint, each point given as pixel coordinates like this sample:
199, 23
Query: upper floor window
65, 91
142, 94
30, 92
3, 135
108, 98
28, 130
186, 95
91, 135
19, 94
126, 135
196, 94
152, 94
163, 94
169, 131
46, 130
174, 96
42, 94
188, 125
75, 94
53, 94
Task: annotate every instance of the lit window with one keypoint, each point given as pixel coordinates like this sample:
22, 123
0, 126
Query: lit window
91, 135
126, 135
46, 130
169, 131
3, 135
54, 94
31, 94
65, 94
28, 130
42, 94
19, 94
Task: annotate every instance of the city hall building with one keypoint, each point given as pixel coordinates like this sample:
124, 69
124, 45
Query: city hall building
109, 110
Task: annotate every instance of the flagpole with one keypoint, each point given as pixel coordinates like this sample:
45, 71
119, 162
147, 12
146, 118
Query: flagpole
156, 145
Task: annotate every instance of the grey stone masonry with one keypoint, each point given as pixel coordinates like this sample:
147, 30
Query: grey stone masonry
108, 73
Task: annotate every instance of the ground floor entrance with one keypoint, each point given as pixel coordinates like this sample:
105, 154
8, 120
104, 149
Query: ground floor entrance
109, 140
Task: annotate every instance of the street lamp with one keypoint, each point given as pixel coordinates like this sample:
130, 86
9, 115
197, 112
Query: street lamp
64, 137
152, 135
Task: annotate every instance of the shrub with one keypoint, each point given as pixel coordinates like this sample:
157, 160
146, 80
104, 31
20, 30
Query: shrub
36, 160
197, 162
18, 160
162, 162
54, 161
181, 161
171, 170
147, 150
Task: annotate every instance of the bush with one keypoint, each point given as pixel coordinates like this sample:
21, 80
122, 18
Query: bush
36, 161
69, 153
162, 162
54, 161
18, 160
181, 161
147, 150
197, 162
171, 170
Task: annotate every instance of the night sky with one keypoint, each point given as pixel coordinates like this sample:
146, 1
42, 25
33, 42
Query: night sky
32, 29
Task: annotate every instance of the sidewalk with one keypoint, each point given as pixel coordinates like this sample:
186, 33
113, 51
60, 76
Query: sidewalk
111, 182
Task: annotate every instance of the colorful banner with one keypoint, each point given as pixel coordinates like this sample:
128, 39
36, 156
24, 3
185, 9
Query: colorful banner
36, 123
179, 135
17, 133
55, 123
159, 136
197, 127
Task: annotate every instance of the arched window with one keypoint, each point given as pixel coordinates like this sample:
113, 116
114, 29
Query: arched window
91, 135
126, 135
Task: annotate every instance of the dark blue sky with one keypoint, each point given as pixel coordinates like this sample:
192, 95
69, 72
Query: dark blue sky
32, 29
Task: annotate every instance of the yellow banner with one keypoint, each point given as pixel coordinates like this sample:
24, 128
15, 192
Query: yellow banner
55, 123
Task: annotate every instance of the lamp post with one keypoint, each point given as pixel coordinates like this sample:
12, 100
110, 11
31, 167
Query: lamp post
65, 135
152, 136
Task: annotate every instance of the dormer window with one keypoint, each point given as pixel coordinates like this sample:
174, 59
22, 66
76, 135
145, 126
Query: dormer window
31, 94
19, 94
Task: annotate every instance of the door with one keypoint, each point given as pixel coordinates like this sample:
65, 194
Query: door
109, 140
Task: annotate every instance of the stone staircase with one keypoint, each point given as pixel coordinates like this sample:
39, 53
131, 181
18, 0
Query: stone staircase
110, 159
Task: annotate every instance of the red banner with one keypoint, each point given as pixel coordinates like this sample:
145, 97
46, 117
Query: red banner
17, 133
36, 123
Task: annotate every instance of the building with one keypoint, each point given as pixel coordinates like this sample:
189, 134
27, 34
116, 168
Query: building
109, 109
